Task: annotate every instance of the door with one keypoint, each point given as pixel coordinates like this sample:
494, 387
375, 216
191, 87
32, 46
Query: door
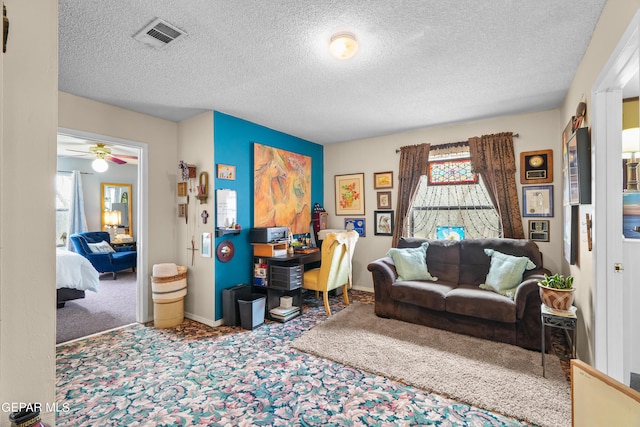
616, 266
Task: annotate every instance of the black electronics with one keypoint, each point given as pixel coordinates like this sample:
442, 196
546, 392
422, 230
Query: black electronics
268, 234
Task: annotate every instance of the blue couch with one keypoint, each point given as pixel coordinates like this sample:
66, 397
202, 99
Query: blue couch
121, 258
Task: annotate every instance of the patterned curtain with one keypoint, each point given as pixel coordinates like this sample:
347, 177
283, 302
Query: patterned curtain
414, 162
493, 157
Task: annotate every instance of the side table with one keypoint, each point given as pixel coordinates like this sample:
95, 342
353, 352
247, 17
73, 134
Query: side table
562, 320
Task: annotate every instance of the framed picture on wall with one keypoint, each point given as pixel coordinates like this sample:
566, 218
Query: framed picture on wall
382, 180
226, 172
383, 223
356, 224
537, 200
384, 199
539, 230
350, 194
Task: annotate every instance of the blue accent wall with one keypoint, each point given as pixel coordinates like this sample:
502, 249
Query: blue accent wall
233, 145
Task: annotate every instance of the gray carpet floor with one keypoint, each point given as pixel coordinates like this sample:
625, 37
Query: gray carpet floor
114, 305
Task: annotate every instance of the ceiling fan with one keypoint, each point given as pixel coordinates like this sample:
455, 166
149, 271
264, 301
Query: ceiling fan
101, 151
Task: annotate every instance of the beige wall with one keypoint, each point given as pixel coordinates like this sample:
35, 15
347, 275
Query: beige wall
537, 131
195, 147
614, 20
161, 137
29, 86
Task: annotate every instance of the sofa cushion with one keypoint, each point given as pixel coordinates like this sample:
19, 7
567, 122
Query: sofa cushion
505, 272
424, 294
411, 263
470, 300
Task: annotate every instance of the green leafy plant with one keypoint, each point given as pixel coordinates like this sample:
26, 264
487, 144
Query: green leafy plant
557, 281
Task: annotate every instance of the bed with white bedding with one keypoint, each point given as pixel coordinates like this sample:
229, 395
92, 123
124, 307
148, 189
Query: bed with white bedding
74, 275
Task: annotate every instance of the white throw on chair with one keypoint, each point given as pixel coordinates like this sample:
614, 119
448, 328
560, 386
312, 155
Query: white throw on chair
335, 267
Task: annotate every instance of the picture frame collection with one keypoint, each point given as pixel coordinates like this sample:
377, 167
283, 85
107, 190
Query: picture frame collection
350, 202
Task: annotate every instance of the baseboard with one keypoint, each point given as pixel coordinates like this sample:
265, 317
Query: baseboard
203, 320
363, 289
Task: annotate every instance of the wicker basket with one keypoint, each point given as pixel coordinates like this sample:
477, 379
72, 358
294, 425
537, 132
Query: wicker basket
168, 298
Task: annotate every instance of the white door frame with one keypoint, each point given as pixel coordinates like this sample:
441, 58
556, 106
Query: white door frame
608, 300
142, 292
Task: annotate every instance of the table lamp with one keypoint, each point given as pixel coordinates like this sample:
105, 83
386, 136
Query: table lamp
112, 220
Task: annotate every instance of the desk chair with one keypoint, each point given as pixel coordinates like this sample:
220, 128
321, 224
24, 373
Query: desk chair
335, 267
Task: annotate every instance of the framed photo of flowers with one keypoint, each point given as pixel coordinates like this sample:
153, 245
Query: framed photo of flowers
382, 180
350, 194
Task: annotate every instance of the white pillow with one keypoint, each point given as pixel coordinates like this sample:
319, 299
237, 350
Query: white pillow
101, 247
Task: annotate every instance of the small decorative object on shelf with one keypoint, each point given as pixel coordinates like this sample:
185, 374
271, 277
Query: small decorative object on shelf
557, 292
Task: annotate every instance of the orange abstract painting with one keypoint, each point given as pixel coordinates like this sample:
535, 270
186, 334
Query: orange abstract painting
282, 189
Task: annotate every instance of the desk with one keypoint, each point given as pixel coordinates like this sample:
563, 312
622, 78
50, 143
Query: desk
561, 320
262, 266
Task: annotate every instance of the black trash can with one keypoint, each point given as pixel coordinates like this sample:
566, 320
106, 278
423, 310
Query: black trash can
252, 311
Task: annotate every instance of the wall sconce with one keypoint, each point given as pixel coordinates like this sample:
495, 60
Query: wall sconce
630, 151
112, 219
203, 188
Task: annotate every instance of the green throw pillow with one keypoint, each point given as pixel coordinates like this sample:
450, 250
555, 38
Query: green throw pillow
505, 272
411, 263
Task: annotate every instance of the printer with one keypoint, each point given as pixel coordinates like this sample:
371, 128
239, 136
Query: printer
268, 234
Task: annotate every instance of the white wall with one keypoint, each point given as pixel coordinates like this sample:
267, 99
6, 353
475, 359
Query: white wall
91, 187
537, 131
29, 114
161, 137
195, 147
614, 20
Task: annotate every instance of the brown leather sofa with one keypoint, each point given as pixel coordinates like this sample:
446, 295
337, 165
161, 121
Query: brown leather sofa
455, 302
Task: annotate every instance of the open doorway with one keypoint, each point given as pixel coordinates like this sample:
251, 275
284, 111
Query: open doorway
117, 298
616, 269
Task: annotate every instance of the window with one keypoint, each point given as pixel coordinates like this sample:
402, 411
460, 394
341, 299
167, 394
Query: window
64, 183
452, 202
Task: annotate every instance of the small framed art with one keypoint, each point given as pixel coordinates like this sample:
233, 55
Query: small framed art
539, 230
537, 200
206, 245
536, 167
383, 223
182, 210
382, 180
356, 224
226, 172
350, 194
384, 199
182, 189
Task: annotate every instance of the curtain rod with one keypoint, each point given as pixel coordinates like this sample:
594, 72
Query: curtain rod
456, 144
81, 173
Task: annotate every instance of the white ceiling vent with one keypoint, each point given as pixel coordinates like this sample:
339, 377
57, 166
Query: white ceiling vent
159, 34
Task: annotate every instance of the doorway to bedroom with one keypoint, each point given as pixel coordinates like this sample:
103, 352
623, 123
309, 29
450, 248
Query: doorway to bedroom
92, 197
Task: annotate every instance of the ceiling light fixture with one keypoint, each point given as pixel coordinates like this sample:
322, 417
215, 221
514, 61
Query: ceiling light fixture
343, 45
100, 165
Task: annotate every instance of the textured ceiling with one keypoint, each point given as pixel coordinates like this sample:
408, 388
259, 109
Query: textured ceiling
420, 63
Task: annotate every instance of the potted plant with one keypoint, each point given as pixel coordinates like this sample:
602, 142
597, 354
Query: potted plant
556, 292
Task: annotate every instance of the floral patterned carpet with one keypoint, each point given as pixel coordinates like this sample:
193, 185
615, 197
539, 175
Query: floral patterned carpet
226, 376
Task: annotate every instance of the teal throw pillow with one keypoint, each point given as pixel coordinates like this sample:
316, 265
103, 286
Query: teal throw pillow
411, 263
505, 272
